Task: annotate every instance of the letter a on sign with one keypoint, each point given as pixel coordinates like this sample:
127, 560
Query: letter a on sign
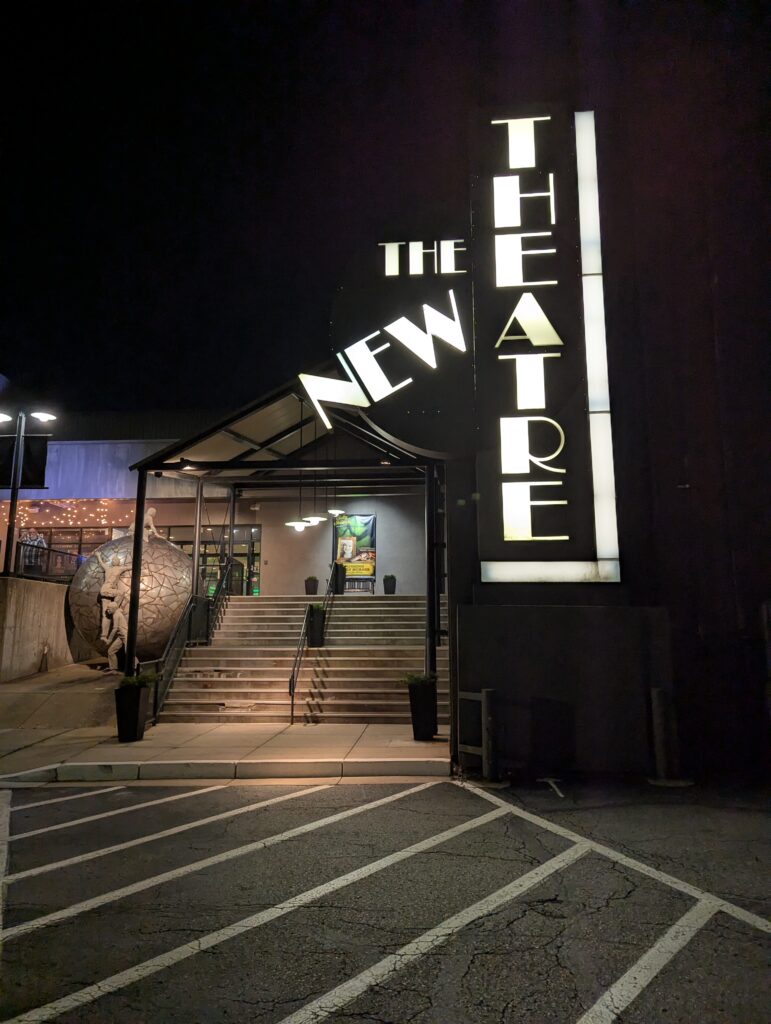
533, 321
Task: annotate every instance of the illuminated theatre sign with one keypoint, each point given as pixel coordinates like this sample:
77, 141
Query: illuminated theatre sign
542, 430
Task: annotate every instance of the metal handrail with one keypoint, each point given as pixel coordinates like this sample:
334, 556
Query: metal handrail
297, 663
218, 600
34, 561
302, 643
329, 595
181, 636
172, 655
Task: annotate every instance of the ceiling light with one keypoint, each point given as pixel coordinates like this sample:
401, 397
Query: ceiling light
5, 418
44, 417
336, 511
298, 524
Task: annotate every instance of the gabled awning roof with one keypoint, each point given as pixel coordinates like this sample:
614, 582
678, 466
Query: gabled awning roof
277, 439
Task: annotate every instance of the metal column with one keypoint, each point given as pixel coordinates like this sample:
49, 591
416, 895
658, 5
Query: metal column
136, 573
432, 617
197, 537
18, 461
232, 522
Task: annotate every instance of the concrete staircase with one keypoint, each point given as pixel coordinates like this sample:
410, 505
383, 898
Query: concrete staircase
371, 643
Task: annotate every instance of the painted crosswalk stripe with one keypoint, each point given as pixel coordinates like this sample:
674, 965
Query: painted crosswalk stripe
155, 836
199, 865
337, 998
630, 985
160, 963
119, 810
61, 799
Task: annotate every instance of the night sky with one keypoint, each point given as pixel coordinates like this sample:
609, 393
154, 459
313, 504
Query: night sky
184, 185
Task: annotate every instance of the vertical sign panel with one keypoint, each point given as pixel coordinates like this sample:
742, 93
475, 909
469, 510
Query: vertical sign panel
547, 507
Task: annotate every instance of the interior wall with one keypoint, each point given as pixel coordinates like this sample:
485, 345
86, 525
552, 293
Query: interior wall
288, 557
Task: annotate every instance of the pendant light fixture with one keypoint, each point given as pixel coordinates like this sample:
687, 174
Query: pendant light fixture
315, 516
299, 524
333, 510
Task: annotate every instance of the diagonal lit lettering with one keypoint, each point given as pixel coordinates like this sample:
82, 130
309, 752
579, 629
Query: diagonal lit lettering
334, 390
438, 325
362, 359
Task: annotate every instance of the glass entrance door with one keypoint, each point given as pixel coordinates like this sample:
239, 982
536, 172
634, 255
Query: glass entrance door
245, 575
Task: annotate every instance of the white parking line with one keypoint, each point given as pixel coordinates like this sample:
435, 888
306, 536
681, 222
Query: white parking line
754, 920
199, 865
630, 985
199, 823
234, 931
109, 814
61, 799
339, 997
5, 824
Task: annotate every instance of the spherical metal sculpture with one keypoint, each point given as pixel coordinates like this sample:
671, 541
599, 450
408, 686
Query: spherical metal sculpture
167, 575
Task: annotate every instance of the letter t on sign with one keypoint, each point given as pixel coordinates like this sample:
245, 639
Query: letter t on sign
521, 140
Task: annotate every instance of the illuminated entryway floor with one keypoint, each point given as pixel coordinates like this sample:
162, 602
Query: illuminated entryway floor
210, 751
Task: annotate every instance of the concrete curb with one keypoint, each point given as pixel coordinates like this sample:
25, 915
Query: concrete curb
131, 771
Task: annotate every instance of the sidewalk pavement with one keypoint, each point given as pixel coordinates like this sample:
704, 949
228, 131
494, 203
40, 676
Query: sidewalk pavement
59, 726
237, 751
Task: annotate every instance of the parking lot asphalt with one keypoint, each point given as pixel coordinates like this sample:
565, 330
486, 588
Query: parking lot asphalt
432, 902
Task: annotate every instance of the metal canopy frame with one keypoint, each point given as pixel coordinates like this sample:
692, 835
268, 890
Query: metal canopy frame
271, 444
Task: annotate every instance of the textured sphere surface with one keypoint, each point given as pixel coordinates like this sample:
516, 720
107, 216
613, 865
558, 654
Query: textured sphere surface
167, 575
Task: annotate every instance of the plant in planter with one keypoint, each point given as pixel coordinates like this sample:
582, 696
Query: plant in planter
422, 687
316, 616
131, 699
311, 584
389, 584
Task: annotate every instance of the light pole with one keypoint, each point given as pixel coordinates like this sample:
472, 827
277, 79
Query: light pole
16, 468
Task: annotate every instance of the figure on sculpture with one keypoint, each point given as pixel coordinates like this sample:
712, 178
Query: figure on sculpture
116, 640
113, 589
148, 525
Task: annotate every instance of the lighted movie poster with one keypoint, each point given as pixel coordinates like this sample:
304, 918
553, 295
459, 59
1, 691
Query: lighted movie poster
355, 544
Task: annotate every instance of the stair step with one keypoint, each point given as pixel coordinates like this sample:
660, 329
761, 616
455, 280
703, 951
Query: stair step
252, 718
371, 644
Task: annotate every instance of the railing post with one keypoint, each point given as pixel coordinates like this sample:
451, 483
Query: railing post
232, 517
488, 735
431, 609
197, 536
18, 461
136, 572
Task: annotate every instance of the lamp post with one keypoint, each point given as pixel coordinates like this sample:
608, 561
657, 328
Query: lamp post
16, 469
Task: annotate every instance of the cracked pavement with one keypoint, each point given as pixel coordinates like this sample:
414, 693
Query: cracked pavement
546, 956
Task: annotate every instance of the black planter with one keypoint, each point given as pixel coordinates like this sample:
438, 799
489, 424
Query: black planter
338, 578
311, 586
423, 710
316, 627
389, 585
131, 711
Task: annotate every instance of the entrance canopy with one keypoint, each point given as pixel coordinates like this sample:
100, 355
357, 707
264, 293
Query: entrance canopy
278, 444
274, 442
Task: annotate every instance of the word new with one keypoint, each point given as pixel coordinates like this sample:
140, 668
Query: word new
362, 359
